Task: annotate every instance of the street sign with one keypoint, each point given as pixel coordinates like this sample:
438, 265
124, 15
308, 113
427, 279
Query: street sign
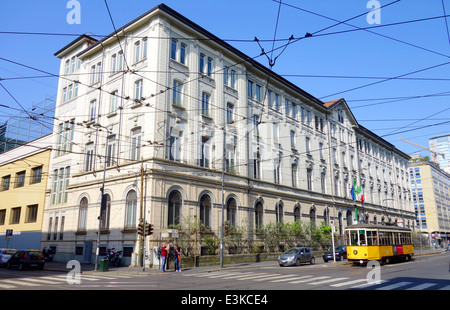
9, 234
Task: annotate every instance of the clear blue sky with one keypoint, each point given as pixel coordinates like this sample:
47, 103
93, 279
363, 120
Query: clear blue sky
327, 66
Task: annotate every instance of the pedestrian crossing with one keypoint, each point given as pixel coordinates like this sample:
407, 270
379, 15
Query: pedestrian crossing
54, 280
316, 281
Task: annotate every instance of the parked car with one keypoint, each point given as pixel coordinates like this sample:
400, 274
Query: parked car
296, 256
26, 259
340, 253
5, 255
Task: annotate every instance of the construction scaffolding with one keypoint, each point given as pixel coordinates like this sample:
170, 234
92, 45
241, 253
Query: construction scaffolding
26, 126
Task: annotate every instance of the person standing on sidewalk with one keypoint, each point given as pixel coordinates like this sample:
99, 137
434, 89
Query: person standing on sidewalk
177, 259
164, 251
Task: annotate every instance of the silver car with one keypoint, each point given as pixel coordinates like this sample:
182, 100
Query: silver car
5, 255
296, 256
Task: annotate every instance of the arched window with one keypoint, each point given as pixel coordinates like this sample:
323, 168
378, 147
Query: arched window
326, 216
297, 214
231, 211
312, 216
279, 212
259, 212
174, 208
130, 209
205, 211
82, 218
349, 218
105, 213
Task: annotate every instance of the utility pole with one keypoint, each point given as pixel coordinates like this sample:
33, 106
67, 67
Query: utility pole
141, 238
223, 189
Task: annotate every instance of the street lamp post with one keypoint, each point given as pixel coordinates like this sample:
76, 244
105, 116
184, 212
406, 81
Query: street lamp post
103, 200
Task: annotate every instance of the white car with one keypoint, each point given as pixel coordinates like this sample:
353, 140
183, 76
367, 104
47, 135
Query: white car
5, 255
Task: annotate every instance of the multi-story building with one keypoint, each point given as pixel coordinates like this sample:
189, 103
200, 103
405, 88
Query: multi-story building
166, 115
24, 175
441, 146
431, 196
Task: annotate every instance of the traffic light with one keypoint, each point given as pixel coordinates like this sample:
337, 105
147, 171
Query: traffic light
150, 229
141, 228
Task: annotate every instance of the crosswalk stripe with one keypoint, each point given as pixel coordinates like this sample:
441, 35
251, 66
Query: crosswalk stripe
256, 276
276, 276
289, 279
307, 280
327, 281
250, 275
55, 278
7, 286
421, 286
393, 286
348, 283
41, 281
20, 282
212, 274
369, 284
230, 275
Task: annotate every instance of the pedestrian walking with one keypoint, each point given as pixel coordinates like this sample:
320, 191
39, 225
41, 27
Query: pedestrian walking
177, 255
164, 251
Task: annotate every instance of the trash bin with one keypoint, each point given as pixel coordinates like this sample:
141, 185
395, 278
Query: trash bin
103, 266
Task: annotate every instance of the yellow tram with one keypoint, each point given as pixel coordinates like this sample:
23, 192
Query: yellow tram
383, 243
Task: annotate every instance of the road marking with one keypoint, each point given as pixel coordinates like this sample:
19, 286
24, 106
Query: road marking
327, 281
7, 286
277, 276
348, 283
292, 278
19, 282
307, 280
369, 284
42, 281
232, 275
255, 276
393, 286
445, 288
421, 286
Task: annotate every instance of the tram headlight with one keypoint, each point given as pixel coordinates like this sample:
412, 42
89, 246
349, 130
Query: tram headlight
355, 252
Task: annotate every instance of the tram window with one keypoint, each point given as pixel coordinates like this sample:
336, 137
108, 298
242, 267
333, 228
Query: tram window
383, 238
390, 238
351, 237
374, 238
371, 237
362, 238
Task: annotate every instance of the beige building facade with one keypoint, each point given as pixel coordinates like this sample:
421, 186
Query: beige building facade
176, 122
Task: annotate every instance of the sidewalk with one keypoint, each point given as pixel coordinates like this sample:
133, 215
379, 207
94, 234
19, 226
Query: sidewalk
89, 268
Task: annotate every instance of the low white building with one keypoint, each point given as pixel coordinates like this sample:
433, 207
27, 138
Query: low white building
166, 105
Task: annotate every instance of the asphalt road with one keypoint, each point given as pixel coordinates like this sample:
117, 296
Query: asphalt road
430, 272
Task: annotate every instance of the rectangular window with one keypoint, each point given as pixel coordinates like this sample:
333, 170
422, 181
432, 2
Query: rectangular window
113, 102
201, 63
173, 49
2, 216
92, 110
230, 113
205, 103
293, 139
20, 179
258, 92
135, 148
15, 215
111, 152
138, 91
183, 53
32, 213
233, 79
36, 175
205, 152
89, 157
137, 51
250, 89
294, 174
176, 93
6, 180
